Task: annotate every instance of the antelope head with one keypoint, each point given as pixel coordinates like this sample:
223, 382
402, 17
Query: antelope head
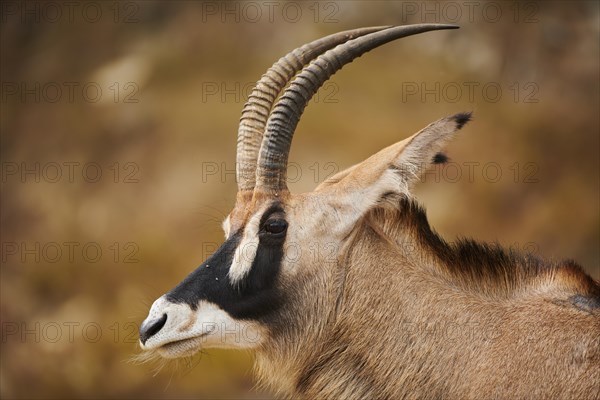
277, 275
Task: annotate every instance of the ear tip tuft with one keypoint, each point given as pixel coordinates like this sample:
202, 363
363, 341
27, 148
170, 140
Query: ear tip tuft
462, 118
440, 158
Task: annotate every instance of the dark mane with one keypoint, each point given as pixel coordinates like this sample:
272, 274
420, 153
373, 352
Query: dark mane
484, 267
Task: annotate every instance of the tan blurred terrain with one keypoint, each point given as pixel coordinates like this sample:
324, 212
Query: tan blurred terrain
118, 131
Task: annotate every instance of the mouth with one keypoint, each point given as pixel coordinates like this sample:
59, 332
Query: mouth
181, 348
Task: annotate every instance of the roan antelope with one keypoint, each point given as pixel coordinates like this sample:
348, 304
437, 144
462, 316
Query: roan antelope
395, 311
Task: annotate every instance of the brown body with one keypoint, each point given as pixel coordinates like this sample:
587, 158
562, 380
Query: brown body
405, 324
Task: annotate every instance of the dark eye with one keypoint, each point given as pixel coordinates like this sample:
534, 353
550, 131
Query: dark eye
276, 226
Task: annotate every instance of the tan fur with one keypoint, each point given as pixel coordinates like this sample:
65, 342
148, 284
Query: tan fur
386, 323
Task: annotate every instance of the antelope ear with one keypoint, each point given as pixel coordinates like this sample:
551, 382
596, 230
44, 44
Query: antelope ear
394, 169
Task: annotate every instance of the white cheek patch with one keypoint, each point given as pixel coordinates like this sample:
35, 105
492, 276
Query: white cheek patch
246, 251
187, 330
222, 331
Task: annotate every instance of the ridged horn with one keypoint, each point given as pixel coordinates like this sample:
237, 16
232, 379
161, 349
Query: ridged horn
273, 157
256, 110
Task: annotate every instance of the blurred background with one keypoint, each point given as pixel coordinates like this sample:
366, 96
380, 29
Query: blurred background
118, 131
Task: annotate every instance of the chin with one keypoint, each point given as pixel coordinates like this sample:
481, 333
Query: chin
180, 348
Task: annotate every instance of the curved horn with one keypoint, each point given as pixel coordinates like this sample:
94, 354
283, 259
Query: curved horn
256, 110
274, 151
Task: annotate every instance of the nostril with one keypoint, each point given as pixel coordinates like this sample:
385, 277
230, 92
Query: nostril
151, 327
